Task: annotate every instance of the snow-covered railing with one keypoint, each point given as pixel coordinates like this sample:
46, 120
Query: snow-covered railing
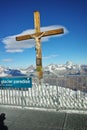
65, 92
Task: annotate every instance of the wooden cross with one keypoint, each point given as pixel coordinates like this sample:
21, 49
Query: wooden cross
37, 36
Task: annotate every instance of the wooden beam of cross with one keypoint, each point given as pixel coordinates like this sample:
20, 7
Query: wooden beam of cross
37, 36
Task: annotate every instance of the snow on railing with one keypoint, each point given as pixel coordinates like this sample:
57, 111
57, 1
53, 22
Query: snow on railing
65, 92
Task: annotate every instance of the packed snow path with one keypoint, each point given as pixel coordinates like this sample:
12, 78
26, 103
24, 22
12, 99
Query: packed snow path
25, 119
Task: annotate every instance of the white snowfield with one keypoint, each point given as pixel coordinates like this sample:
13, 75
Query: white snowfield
3, 74
44, 96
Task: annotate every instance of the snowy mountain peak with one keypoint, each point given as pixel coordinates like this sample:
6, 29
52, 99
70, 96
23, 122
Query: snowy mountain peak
69, 63
52, 69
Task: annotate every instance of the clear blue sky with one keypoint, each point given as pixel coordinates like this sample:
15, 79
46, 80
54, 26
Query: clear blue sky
16, 17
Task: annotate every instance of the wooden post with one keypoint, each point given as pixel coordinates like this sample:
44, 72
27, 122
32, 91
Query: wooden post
38, 45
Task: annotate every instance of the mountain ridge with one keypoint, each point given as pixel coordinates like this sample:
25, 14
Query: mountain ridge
69, 68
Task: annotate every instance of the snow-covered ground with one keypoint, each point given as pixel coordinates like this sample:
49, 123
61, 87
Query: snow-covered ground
44, 96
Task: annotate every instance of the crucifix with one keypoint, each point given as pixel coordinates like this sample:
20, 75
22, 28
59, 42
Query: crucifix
37, 36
